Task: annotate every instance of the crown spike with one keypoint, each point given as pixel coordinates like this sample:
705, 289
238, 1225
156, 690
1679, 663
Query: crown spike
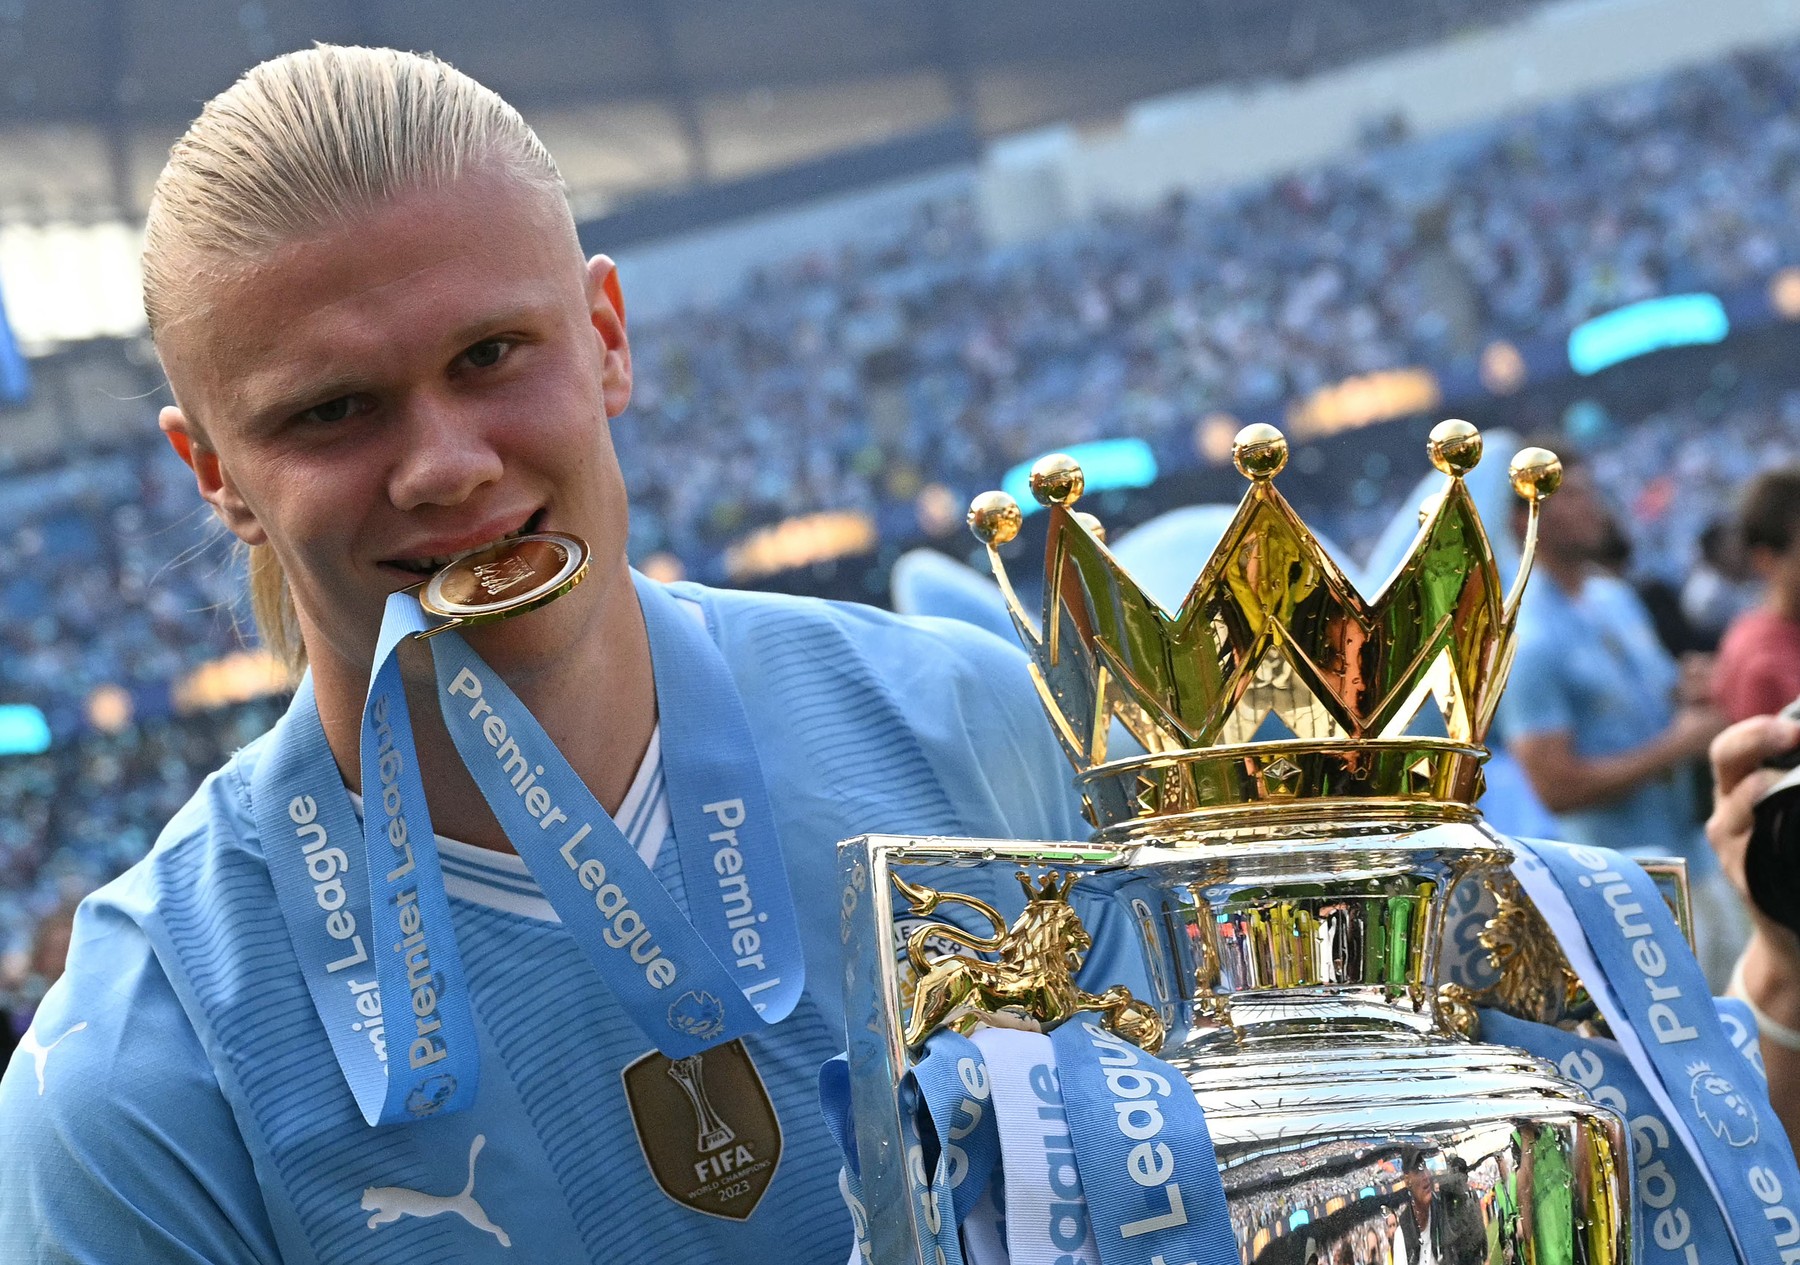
995, 519
1454, 447
1095, 527
1259, 451
1057, 479
1272, 631
1535, 473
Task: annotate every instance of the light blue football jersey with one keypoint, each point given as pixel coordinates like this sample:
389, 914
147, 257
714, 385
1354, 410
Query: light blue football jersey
178, 1099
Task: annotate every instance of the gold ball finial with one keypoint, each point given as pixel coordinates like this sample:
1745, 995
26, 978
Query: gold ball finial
994, 517
1536, 473
1455, 447
1429, 506
1095, 527
1260, 451
1056, 479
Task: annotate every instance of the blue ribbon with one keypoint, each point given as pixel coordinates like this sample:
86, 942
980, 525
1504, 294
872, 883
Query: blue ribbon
1144, 1152
373, 933
1657, 1003
1142, 1182
948, 1168
687, 987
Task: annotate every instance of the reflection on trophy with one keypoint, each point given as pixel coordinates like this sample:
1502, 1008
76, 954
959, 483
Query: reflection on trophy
690, 1074
1282, 777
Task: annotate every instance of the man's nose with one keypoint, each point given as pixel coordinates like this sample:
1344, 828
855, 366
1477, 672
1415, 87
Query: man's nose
446, 455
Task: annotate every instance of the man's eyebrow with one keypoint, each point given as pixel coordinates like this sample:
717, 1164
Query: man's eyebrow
283, 401
486, 326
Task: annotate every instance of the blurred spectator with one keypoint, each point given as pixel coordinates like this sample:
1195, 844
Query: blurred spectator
1721, 585
75, 817
1661, 599
43, 966
1603, 720
1759, 661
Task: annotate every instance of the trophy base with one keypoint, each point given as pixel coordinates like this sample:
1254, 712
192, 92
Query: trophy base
1330, 1149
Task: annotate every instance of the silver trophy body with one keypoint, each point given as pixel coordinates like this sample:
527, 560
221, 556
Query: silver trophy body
1295, 975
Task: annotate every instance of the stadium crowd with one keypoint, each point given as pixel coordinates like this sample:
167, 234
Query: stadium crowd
858, 376
850, 379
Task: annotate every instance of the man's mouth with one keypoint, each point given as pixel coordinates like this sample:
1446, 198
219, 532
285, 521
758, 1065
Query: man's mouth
432, 565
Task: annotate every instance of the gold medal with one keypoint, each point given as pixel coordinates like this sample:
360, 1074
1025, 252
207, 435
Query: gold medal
504, 579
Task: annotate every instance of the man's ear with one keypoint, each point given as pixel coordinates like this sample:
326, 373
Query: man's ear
210, 476
606, 301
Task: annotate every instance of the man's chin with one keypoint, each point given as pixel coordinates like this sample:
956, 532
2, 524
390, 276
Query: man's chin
527, 645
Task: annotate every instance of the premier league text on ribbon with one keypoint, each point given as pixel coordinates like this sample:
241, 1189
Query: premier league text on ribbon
1646, 954
1691, 1051
1652, 964
414, 948
625, 926
326, 865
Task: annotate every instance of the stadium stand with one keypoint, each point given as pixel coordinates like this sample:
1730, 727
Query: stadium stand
854, 380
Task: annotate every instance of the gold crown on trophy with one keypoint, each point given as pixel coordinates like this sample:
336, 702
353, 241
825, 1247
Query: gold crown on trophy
1276, 682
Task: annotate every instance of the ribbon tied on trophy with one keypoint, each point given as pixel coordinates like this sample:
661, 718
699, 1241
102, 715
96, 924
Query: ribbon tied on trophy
1040, 1128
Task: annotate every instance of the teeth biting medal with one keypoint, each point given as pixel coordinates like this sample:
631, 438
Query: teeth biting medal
508, 577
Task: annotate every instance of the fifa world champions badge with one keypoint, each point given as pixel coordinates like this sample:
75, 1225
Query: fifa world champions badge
707, 1128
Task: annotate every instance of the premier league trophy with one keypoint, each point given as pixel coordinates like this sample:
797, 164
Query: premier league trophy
1269, 875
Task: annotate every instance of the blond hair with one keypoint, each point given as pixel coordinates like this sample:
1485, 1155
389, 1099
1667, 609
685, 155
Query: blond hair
299, 144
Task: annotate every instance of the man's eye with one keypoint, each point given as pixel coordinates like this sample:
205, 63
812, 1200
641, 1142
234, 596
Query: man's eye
336, 410
484, 355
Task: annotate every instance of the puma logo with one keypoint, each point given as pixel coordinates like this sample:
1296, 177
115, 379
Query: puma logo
29, 1043
390, 1203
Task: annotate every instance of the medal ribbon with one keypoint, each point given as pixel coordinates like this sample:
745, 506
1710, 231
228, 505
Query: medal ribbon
386, 915
687, 985
386, 912
1046, 1211
1624, 944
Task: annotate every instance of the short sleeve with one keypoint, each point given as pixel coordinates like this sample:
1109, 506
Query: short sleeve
116, 1143
1537, 699
1759, 683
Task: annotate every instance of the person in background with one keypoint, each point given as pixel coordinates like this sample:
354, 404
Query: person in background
42, 966
1603, 720
1722, 584
1660, 599
1758, 672
49, 954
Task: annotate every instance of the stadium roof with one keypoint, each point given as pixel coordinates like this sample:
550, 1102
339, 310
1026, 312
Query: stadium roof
644, 95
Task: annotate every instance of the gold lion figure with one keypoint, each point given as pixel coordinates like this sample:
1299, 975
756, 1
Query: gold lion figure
1535, 981
1033, 983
